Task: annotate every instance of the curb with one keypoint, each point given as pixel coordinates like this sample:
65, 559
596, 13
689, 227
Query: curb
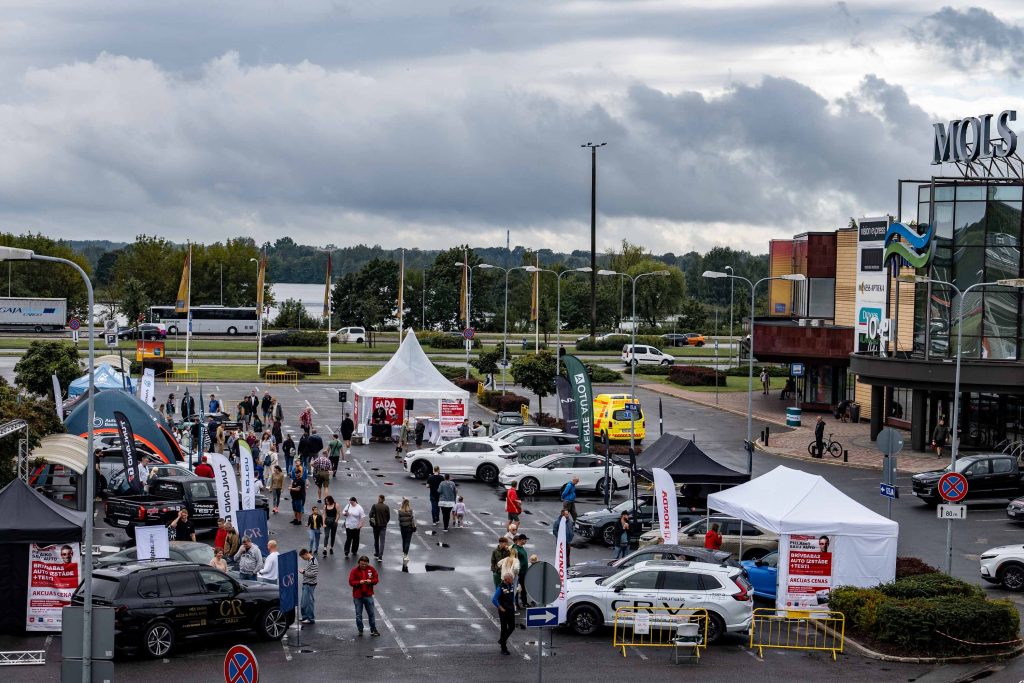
758, 445
657, 388
967, 659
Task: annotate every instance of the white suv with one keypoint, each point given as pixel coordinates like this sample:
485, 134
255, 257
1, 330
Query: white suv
474, 456
645, 354
722, 591
349, 335
1004, 565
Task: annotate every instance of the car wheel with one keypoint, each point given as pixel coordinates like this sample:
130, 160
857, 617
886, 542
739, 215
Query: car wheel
529, 487
755, 554
600, 486
1012, 577
421, 469
173, 329
37, 328
635, 362
488, 474
232, 331
608, 535
273, 624
716, 628
666, 362
700, 343
359, 340
158, 639
585, 620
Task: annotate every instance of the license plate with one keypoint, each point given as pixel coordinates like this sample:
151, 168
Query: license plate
122, 522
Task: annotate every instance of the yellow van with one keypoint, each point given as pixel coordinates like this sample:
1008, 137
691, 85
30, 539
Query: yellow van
612, 416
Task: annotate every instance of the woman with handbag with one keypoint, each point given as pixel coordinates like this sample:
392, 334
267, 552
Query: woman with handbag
407, 526
330, 524
298, 493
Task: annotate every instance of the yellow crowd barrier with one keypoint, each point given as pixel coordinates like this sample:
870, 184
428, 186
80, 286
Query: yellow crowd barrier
480, 390
683, 627
525, 412
813, 630
282, 377
181, 377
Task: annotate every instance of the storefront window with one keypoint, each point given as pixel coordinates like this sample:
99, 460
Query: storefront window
969, 224
900, 408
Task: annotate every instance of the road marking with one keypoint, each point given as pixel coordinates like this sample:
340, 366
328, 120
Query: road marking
639, 652
218, 388
491, 618
296, 389
308, 405
394, 631
284, 646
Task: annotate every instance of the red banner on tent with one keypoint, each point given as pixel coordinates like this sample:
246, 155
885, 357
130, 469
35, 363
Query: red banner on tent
394, 407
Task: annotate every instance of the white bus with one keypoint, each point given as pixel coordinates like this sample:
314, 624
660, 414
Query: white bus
207, 319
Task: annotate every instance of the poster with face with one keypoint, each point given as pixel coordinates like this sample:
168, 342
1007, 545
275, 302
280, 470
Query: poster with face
809, 579
394, 408
54, 572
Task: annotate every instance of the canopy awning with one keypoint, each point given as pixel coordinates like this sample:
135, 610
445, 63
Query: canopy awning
409, 374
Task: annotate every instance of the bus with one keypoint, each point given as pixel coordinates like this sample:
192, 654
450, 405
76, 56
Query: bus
207, 319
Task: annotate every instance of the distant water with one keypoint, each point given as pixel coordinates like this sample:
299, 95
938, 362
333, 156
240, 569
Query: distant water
311, 296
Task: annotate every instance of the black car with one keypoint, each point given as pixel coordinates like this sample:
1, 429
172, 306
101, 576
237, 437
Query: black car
182, 551
659, 552
599, 525
988, 475
143, 331
157, 603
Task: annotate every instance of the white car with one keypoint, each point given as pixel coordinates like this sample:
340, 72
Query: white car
645, 354
473, 456
508, 433
1004, 565
551, 472
350, 335
722, 591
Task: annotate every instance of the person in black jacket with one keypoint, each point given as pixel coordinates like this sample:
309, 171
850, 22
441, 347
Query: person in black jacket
188, 407
303, 453
434, 484
348, 427
622, 536
420, 429
819, 435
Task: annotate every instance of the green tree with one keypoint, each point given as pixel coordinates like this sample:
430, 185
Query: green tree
292, 314
134, 299
536, 373
46, 279
656, 296
489, 359
38, 412
368, 297
693, 317
44, 359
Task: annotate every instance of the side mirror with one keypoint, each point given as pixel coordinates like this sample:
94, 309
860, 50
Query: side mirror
618, 589
691, 534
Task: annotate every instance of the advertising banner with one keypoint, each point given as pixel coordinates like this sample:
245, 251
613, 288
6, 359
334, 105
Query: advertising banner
54, 572
665, 496
807, 581
227, 487
247, 476
151, 543
872, 279
147, 386
128, 453
58, 398
253, 523
562, 566
148, 349
288, 580
567, 404
394, 407
583, 394
452, 415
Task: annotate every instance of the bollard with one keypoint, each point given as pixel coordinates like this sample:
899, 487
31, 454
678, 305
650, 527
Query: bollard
767, 433
846, 455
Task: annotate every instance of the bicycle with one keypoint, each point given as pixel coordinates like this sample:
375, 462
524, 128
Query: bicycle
830, 446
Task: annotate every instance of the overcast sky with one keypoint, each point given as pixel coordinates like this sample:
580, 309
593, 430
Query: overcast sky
426, 123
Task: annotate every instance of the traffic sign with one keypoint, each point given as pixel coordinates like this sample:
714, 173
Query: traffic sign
75, 324
542, 582
951, 512
468, 333
539, 617
952, 487
889, 490
111, 340
889, 441
240, 666
796, 369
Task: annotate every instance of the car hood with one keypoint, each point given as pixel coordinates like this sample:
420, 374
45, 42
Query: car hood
595, 516
422, 451
259, 587
932, 475
594, 570
1004, 549
583, 583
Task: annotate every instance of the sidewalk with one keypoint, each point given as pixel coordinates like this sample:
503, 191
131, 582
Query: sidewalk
792, 442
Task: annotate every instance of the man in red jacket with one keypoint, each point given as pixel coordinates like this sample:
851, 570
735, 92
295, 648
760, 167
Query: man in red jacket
513, 506
204, 469
363, 578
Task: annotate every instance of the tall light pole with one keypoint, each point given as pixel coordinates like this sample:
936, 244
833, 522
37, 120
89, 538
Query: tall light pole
504, 334
1013, 282
89, 476
535, 269
593, 234
259, 316
795, 277
558, 309
732, 284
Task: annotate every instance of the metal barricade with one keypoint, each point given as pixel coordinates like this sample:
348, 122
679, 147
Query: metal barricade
22, 657
660, 627
181, 377
282, 377
812, 630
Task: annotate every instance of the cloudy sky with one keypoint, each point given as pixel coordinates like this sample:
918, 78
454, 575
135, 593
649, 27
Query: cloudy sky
429, 123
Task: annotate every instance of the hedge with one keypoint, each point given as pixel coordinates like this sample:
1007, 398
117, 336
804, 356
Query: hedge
930, 586
744, 371
466, 384
160, 366
279, 367
696, 376
307, 366
661, 370
296, 338
912, 566
451, 372
616, 342
508, 403
599, 373
444, 340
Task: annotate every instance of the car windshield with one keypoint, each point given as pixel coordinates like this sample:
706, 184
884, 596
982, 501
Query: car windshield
545, 461
961, 465
103, 588
201, 554
201, 489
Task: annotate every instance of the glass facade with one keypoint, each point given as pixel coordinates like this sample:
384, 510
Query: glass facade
977, 239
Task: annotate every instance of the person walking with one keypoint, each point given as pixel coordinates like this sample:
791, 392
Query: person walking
434, 483
939, 436
298, 494
510, 563
302, 452
306, 420
355, 519
819, 435
266, 406
622, 536
170, 408
380, 516
316, 444
447, 494
307, 607
363, 578
497, 555
315, 524
331, 511
524, 564
322, 475
335, 448
277, 411
249, 559
513, 506
565, 519
288, 448
568, 496
713, 538
420, 430
269, 571
222, 533
765, 381
407, 527
276, 486
348, 427
504, 599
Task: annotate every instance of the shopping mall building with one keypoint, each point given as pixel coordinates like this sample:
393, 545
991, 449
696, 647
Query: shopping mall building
877, 317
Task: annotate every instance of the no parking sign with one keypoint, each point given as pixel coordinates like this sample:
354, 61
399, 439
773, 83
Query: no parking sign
240, 666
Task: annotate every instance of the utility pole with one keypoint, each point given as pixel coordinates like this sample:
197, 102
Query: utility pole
593, 235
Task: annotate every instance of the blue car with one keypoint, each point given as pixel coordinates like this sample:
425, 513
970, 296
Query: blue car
763, 574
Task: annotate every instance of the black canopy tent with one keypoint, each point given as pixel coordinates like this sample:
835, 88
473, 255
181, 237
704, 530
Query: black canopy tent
28, 517
686, 463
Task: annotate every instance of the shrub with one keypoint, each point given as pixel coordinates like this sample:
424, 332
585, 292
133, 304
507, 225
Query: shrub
467, 384
511, 403
161, 366
912, 566
307, 366
444, 340
744, 371
616, 342
661, 370
451, 372
296, 338
599, 373
930, 586
546, 420
491, 398
279, 367
696, 376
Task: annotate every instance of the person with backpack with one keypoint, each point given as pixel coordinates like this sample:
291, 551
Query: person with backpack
321, 475
288, 448
568, 496
170, 408
335, 450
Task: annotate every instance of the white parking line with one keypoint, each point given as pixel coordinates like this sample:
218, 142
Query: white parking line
309, 405
394, 631
491, 618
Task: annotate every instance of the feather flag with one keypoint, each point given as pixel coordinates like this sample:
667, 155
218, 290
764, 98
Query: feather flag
327, 288
182, 302
534, 298
464, 291
261, 275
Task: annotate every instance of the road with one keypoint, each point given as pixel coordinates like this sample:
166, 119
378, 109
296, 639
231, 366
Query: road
436, 620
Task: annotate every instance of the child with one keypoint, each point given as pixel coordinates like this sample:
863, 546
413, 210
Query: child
460, 511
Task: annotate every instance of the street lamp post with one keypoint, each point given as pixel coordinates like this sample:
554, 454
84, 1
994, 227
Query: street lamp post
795, 277
259, 318
89, 476
504, 334
1013, 282
731, 288
593, 234
558, 310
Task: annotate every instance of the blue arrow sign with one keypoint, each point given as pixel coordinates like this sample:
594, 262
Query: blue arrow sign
539, 617
889, 490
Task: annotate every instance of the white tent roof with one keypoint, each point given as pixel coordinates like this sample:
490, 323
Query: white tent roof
409, 374
790, 501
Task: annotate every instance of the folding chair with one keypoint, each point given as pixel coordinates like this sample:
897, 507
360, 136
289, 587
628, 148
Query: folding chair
687, 638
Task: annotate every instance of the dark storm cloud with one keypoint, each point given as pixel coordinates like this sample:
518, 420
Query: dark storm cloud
972, 37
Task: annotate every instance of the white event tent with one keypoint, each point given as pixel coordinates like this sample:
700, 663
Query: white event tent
796, 504
409, 374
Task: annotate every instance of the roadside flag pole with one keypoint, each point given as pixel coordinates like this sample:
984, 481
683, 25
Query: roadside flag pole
327, 311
